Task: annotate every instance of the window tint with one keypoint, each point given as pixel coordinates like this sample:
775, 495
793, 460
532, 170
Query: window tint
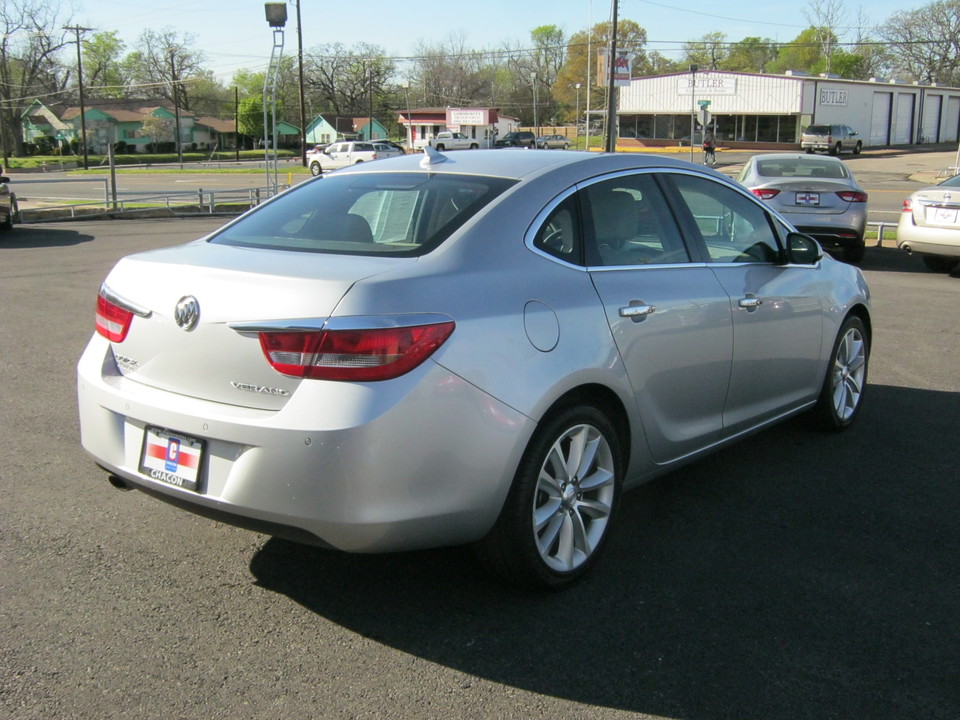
630, 224
560, 233
403, 214
802, 167
733, 227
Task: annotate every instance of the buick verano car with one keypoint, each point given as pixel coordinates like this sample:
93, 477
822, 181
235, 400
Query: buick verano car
481, 348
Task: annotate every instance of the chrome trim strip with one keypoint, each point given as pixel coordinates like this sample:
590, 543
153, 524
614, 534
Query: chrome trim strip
127, 305
349, 322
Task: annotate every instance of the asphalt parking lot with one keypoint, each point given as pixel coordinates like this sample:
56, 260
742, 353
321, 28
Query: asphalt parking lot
796, 575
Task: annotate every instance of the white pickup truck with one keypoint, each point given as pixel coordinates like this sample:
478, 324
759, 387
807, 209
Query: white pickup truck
453, 141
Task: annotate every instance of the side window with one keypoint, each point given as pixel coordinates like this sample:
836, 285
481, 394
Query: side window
560, 233
734, 228
628, 223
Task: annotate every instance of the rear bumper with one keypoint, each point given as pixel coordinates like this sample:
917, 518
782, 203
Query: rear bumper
927, 240
425, 461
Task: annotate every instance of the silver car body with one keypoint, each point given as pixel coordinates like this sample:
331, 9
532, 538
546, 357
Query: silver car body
930, 222
686, 352
818, 195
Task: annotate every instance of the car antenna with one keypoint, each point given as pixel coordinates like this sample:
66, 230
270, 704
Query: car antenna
432, 156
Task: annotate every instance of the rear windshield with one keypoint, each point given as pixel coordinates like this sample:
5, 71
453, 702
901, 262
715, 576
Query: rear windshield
802, 167
386, 214
818, 130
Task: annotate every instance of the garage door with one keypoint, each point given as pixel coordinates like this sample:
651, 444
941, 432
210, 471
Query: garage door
880, 119
930, 125
903, 128
951, 123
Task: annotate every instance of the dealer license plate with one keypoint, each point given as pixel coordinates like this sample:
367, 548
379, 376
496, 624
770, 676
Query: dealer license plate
942, 216
171, 457
808, 198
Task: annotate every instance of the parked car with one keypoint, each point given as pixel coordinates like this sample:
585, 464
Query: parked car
340, 154
387, 149
819, 196
833, 139
484, 349
550, 142
521, 138
8, 204
930, 225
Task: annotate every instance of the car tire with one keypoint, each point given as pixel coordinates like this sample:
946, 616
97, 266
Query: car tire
809, 151
841, 396
836, 149
315, 169
441, 147
553, 527
474, 146
7, 223
858, 148
940, 263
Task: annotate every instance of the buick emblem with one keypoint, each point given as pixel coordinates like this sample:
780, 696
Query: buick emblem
187, 313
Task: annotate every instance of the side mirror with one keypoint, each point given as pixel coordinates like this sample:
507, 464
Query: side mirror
803, 249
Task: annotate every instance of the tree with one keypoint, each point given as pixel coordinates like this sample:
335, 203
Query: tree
709, 52
161, 62
752, 54
250, 117
346, 81
159, 129
449, 74
630, 36
826, 17
102, 69
802, 53
925, 43
28, 62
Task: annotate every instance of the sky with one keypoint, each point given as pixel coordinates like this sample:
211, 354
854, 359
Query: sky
234, 34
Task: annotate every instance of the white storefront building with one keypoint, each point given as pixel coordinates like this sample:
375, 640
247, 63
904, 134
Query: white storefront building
773, 110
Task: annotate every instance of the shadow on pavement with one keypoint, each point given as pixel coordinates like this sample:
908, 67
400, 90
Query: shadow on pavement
796, 575
22, 236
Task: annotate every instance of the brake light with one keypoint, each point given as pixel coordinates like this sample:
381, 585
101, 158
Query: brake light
113, 321
853, 195
907, 205
356, 355
765, 193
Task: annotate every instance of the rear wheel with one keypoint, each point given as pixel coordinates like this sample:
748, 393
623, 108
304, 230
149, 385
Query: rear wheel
940, 263
842, 392
559, 511
837, 149
854, 253
474, 146
7, 222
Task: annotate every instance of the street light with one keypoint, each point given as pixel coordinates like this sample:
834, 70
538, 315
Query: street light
536, 122
276, 14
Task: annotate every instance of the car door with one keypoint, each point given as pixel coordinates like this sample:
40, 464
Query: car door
668, 315
339, 156
776, 308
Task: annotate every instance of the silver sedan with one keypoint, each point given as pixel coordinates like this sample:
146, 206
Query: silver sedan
930, 225
818, 195
488, 348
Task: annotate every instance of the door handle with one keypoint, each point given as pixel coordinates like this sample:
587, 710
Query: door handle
750, 302
637, 310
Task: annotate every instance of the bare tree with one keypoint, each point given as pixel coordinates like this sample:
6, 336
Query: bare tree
160, 64
826, 17
31, 40
345, 81
925, 42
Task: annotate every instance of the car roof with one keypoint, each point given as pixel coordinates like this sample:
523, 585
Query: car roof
517, 163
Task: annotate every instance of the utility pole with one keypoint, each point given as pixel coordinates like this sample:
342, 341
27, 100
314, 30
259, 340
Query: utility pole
611, 88
176, 104
303, 112
76, 29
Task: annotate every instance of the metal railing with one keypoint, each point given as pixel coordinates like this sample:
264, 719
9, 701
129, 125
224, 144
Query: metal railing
187, 202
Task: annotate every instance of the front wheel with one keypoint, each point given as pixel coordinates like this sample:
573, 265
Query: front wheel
559, 511
842, 393
315, 169
858, 148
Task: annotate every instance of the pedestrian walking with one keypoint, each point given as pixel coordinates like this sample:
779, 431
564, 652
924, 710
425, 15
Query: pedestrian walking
709, 148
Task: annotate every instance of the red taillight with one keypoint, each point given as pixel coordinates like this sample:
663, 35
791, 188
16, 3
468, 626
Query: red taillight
853, 195
907, 205
113, 321
765, 193
359, 355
